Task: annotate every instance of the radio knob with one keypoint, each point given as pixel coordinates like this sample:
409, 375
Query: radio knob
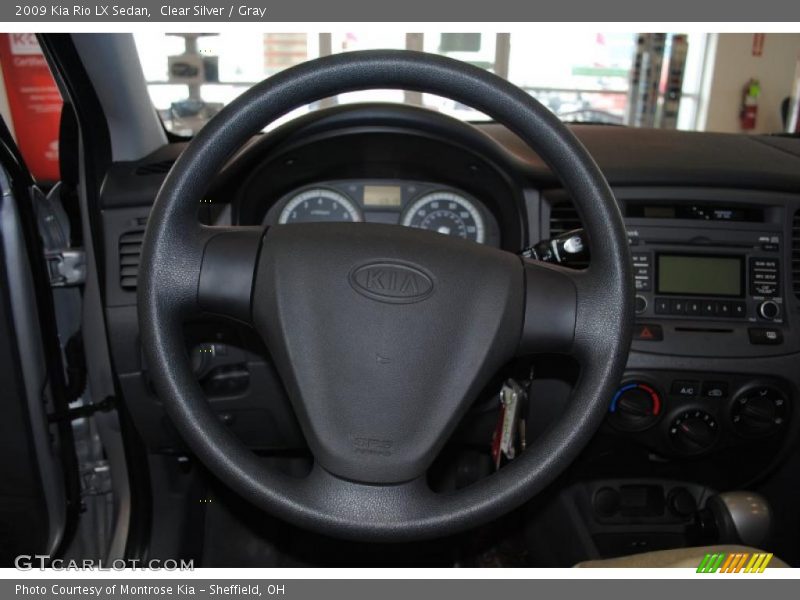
769, 310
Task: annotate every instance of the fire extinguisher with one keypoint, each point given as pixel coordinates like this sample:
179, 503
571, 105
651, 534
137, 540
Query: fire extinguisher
749, 108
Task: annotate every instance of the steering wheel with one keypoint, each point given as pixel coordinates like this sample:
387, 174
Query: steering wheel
383, 335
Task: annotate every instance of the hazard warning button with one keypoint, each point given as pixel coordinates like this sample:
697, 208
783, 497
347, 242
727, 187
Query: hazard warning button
648, 333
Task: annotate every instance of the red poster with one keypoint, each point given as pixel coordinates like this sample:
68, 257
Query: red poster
34, 101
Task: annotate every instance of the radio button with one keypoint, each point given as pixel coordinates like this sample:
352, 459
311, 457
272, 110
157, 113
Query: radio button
770, 264
709, 308
693, 307
642, 284
739, 309
662, 306
765, 276
677, 307
763, 289
724, 309
640, 304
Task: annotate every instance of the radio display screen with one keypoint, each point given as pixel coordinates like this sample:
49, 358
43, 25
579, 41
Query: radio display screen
700, 275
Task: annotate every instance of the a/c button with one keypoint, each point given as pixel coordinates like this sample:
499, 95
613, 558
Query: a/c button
686, 389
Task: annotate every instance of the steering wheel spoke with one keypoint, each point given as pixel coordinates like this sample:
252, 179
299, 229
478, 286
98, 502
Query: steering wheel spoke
227, 272
551, 304
565, 312
353, 502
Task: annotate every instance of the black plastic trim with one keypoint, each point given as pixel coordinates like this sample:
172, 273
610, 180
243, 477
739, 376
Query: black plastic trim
76, 86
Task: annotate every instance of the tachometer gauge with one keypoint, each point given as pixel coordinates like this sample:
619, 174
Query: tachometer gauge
319, 204
448, 213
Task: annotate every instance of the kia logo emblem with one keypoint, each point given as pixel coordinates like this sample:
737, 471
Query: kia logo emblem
393, 282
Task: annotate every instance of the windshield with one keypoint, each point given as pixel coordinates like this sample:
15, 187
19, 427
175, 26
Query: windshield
599, 77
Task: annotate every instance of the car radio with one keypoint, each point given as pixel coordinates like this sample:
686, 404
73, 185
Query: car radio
706, 261
714, 288
709, 279
691, 273
687, 282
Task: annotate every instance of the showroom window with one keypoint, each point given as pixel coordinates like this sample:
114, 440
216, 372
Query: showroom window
585, 77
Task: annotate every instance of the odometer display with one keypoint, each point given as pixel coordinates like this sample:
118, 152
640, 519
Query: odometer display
447, 213
319, 204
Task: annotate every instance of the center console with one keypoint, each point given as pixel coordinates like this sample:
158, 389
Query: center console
712, 280
715, 309
709, 398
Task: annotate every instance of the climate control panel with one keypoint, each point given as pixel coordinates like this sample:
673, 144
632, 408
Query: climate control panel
683, 414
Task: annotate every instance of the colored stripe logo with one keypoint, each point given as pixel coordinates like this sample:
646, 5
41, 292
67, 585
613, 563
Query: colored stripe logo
736, 562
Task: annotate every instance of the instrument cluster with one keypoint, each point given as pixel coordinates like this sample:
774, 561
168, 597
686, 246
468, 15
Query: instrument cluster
423, 205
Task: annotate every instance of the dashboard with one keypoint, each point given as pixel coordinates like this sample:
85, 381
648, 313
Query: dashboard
714, 229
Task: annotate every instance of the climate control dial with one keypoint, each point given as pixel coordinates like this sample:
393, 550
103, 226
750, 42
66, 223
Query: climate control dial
759, 411
635, 406
693, 431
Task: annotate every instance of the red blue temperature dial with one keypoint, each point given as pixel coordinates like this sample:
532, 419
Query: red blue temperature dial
635, 406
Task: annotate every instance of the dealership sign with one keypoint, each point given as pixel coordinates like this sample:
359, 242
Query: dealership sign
33, 101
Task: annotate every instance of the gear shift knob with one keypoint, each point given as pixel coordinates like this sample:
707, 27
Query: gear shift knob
741, 517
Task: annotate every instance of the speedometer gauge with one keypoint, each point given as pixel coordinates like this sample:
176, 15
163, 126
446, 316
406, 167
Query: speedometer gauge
319, 204
448, 213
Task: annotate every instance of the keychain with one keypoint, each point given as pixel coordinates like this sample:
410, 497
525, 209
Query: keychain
508, 439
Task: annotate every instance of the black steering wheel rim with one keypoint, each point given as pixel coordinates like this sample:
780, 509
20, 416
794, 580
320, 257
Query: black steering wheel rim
171, 284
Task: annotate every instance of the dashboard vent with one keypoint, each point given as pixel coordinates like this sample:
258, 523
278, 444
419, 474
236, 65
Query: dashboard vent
563, 217
796, 253
130, 250
156, 168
